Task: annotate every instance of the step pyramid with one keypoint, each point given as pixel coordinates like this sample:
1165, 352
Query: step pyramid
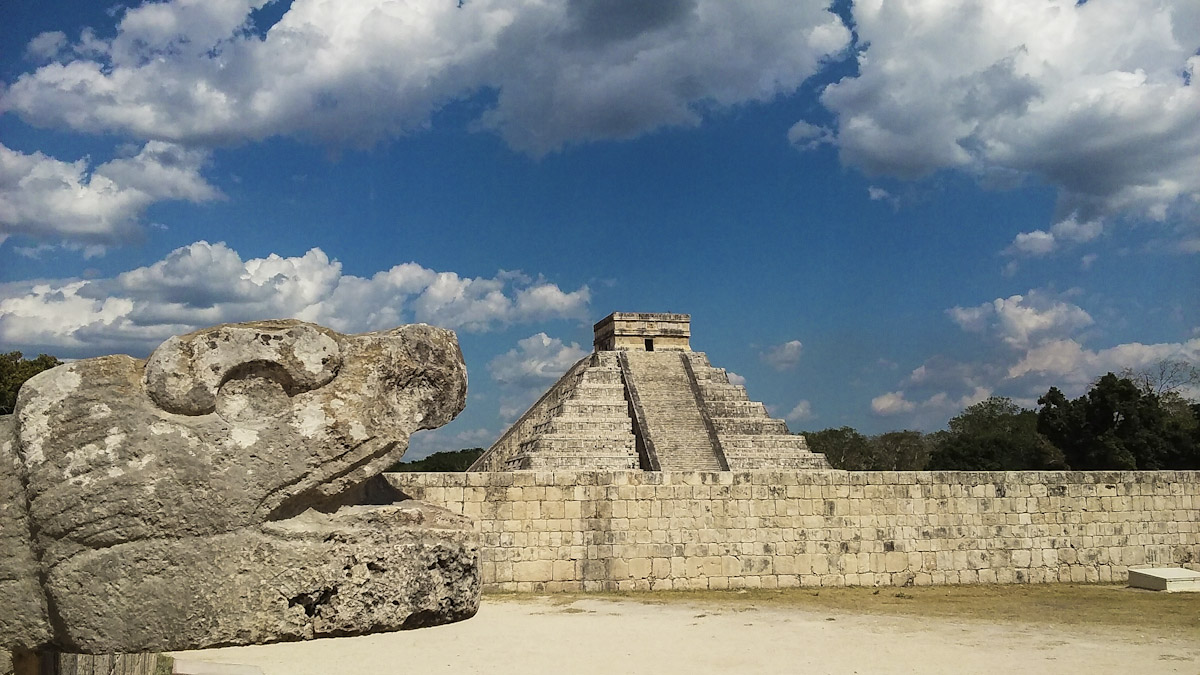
644, 400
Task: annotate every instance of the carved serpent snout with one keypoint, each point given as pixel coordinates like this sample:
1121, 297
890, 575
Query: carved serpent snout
185, 373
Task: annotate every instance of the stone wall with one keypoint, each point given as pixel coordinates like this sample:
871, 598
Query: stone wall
650, 530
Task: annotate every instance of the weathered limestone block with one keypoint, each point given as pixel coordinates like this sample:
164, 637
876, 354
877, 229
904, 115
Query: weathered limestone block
23, 619
170, 498
361, 569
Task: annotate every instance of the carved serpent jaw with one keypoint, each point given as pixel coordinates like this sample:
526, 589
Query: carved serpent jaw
217, 433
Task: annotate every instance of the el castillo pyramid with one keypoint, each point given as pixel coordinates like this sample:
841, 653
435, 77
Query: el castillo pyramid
644, 400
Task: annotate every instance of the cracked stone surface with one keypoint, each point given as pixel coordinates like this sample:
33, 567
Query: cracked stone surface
358, 570
23, 619
207, 495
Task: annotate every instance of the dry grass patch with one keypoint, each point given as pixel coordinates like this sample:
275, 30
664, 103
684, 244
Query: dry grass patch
1111, 605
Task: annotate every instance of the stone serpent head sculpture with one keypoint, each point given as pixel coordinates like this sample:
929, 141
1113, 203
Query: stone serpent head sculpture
205, 496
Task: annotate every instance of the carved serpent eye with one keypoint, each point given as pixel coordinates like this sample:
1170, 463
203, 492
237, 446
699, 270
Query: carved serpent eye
185, 373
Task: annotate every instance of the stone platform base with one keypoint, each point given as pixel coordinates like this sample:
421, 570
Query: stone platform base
1169, 579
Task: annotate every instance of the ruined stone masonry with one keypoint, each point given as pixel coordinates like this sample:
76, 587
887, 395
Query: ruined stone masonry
226, 491
644, 400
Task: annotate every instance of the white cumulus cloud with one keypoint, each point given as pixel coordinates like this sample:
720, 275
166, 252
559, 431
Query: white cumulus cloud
204, 284
892, 403
50, 199
930, 411
805, 136
783, 356
1020, 319
1035, 243
801, 412
1097, 98
1069, 360
537, 359
527, 370
358, 72
1068, 231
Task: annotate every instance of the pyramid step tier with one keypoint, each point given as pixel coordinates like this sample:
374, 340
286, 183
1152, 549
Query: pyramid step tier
724, 392
555, 443
748, 409
599, 392
812, 462
744, 442
581, 463
742, 425
583, 408
602, 377
614, 426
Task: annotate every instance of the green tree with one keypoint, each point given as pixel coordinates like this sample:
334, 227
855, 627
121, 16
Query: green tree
845, 448
900, 451
448, 460
1195, 434
1121, 425
14, 370
994, 435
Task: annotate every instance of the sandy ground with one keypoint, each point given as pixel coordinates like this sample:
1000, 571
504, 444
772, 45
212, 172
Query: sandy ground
584, 635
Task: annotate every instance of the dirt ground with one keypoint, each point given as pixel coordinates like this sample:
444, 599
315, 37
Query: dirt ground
1027, 630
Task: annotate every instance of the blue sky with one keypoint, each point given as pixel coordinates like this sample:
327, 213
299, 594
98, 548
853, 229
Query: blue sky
876, 212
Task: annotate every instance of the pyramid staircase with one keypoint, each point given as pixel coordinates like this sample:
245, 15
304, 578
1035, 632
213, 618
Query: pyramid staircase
673, 416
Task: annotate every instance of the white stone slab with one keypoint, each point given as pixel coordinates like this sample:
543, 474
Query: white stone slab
192, 667
1170, 579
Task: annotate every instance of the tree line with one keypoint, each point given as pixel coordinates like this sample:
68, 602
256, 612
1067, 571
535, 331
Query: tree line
446, 460
1131, 421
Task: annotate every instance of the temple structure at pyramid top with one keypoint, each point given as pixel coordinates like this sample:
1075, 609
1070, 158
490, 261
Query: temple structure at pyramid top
643, 332
644, 400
